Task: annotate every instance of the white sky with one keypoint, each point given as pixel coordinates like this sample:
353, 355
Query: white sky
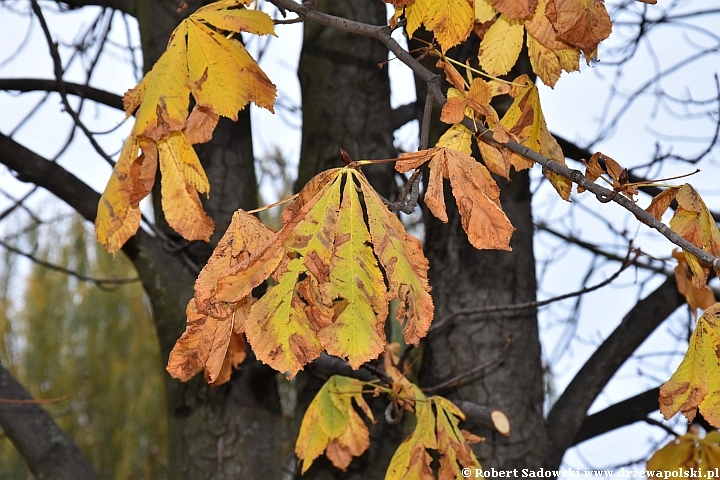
574, 109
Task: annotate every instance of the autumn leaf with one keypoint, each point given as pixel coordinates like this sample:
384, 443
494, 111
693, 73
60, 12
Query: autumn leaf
696, 298
688, 453
484, 11
213, 338
580, 23
437, 429
202, 61
401, 256
599, 165
661, 202
450, 20
336, 263
357, 332
524, 119
501, 45
694, 222
476, 194
696, 382
332, 425
118, 216
515, 9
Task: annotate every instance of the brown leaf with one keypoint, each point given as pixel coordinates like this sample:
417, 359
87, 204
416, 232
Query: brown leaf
200, 125
580, 23
661, 202
515, 8
696, 298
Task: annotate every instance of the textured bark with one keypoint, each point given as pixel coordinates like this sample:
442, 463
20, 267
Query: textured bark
345, 96
230, 431
49, 452
346, 103
463, 277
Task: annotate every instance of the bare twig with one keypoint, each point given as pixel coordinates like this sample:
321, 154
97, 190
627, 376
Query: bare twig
57, 62
101, 282
448, 320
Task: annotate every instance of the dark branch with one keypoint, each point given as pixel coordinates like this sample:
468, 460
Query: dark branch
403, 114
48, 451
624, 413
569, 412
84, 91
125, 6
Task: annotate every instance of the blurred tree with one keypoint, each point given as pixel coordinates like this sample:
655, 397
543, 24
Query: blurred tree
94, 342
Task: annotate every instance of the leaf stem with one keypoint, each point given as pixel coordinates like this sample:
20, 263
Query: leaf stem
279, 202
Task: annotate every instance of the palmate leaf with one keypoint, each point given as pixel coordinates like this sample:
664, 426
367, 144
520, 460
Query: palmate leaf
334, 273
437, 429
222, 78
332, 425
687, 453
696, 382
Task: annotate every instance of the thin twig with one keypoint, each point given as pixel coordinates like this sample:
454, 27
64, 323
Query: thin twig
458, 380
57, 62
448, 320
101, 282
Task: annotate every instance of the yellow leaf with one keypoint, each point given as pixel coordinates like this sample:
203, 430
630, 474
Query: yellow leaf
515, 9
405, 265
118, 216
182, 175
457, 137
692, 221
450, 21
332, 425
484, 11
223, 76
415, 15
694, 383
223, 17
164, 93
687, 453
525, 120
435, 430
358, 332
278, 328
501, 45
544, 61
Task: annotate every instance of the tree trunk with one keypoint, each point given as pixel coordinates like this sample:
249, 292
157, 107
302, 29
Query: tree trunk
230, 431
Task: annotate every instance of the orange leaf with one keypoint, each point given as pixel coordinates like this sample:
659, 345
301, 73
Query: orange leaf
695, 297
696, 382
693, 221
515, 8
580, 23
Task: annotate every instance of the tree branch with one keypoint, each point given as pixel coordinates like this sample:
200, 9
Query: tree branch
569, 412
125, 6
160, 266
615, 416
401, 115
48, 451
84, 91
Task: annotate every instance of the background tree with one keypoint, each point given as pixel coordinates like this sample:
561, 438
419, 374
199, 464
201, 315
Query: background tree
482, 298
